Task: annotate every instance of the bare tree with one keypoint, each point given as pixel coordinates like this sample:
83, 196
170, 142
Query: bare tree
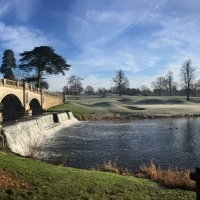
195, 86
89, 90
169, 82
159, 84
145, 90
75, 85
121, 81
187, 74
102, 91
65, 90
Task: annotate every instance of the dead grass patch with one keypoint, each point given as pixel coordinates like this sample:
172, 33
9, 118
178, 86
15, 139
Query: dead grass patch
172, 177
111, 166
7, 181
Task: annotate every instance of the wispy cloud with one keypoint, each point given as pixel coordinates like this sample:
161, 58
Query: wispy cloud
21, 38
110, 16
146, 39
5, 7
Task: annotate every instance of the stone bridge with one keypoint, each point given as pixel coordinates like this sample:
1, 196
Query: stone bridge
19, 99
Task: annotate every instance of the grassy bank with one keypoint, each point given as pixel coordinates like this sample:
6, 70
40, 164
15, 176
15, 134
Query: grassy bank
129, 107
22, 178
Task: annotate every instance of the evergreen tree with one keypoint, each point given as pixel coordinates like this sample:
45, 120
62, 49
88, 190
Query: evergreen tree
8, 62
42, 61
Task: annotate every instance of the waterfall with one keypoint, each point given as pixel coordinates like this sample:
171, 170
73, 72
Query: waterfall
25, 137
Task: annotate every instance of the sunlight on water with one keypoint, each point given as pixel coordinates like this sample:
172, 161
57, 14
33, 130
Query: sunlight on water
170, 142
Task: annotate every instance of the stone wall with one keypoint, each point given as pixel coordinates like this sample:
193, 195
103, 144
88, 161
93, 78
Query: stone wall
26, 137
50, 100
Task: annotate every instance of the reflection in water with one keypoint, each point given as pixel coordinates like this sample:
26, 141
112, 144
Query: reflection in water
168, 141
188, 140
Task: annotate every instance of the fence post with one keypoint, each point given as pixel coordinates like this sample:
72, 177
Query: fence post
196, 177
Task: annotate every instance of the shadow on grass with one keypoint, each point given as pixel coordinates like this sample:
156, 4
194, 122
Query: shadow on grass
100, 104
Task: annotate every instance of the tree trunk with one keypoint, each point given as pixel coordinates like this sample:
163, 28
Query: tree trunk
159, 92
120, 90
188, 92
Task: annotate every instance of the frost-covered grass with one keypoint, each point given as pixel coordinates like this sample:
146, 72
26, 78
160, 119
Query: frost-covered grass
128, 107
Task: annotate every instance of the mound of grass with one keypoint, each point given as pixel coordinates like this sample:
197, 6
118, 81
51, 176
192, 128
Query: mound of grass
175, 101
38, 180
150, 101
125, 100
104, 110
130, 107
79, 109
103, 104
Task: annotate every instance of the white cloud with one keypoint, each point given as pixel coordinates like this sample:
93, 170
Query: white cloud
176, 31
22, 8
96, 82
152, 61
21, 38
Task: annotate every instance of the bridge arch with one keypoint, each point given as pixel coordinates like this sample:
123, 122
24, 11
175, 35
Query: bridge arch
12, 107
20, 97
35, 106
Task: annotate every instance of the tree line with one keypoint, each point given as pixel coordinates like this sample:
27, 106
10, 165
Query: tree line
163, 85
188, 84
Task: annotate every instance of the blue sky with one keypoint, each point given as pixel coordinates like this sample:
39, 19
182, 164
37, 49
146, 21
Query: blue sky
145, 38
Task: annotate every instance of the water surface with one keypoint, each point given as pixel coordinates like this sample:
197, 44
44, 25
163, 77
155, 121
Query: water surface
170, 142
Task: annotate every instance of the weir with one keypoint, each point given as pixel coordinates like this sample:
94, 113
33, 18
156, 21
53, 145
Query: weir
26, 137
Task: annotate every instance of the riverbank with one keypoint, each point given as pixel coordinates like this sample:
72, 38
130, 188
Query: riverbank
130, 107
23, 178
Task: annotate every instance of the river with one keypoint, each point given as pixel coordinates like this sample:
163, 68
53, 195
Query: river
170, 142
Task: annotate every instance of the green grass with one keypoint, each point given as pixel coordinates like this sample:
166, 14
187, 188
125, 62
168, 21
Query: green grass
130, 107
79, 109
45, 181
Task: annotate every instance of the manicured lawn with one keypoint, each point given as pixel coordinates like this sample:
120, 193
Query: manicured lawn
129, 107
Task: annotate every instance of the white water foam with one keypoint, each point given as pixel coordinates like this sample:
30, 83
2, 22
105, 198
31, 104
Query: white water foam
24, 137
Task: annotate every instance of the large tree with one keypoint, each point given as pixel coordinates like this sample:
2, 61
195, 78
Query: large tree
74, 84
8, 63
159, 84
121, 81
43, 61
187, 73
